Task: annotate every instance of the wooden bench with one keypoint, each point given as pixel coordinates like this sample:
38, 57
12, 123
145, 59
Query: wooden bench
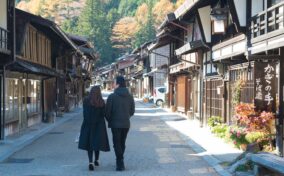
267, 164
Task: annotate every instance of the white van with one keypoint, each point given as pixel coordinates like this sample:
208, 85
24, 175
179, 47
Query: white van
159, 95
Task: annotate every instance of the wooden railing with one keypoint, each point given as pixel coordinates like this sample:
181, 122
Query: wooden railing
269, 21
3, 39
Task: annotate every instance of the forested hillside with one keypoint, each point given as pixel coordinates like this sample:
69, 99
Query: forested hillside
113, 26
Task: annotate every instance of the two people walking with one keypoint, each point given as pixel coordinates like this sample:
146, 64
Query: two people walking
117, 111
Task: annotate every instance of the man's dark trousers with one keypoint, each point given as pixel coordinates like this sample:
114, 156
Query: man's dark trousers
119, 138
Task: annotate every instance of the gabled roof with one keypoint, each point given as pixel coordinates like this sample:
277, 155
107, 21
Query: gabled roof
187, 9
143, 46
84, 45
45, 23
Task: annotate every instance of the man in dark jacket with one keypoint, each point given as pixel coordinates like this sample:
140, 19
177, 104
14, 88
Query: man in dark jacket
119, 108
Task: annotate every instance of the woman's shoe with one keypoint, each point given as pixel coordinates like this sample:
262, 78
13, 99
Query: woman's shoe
97, 163
91, 166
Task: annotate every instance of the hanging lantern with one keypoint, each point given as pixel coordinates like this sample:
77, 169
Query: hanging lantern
219, 17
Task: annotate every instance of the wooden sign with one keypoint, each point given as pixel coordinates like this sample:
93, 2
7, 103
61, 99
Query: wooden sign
265, 85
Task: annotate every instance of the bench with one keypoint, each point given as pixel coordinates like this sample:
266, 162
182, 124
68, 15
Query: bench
267, 164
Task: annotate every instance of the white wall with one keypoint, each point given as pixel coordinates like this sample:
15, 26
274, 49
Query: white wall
206, 21
3, 14
241, 6
256, 7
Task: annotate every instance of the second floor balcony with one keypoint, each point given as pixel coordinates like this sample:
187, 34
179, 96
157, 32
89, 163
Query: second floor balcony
267, 24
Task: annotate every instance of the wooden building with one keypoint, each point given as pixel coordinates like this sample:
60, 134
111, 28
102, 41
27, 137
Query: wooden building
106, 76
227, 64
125, 67
30, 81
266, 47
7, 51
184, 31
79, 69
143, 67
158, 61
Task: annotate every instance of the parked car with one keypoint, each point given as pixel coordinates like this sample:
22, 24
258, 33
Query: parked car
159, 95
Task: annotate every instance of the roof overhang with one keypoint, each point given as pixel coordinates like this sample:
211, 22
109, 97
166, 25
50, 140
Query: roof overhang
230, 48
34, 19
168, 19
189, 8
33, 68
191, 47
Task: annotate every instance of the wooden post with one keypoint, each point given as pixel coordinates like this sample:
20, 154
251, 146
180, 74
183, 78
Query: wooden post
2, 119
280, 115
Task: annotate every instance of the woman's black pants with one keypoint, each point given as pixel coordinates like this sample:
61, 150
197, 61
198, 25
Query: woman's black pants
91, 154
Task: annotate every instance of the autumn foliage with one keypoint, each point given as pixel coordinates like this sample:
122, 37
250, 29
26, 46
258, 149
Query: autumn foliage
252, 120
130, 22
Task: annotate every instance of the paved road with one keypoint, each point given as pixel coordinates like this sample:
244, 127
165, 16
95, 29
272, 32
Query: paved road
153, 149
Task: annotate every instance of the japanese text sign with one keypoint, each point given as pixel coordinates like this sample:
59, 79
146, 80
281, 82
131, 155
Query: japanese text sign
265, 86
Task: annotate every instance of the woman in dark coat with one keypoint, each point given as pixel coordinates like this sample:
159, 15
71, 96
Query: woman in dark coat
93, 135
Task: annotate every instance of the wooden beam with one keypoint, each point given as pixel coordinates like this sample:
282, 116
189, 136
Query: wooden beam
264, 57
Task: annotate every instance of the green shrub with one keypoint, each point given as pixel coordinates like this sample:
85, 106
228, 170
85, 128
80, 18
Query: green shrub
256, 136
220, 130
214, 121
245, 167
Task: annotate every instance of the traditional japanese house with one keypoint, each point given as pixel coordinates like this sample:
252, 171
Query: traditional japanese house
186, 69
79, 70
7, 50
125, 67
171, 36
143, 67
158, 58
266, 48
106, 76
30, 81
227, 66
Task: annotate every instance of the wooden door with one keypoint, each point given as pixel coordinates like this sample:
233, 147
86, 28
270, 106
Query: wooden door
181, 93
189, 95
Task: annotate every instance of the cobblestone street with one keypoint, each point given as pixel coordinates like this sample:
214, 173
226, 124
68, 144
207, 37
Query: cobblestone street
153, 149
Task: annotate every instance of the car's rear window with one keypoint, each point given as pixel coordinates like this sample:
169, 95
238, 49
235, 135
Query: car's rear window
162, 90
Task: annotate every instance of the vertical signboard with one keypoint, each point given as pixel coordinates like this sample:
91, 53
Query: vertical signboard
265, 86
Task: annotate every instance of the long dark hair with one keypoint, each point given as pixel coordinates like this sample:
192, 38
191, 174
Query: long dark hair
96, 98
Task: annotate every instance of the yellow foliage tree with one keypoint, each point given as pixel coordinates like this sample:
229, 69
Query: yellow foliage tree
32, 6
56, 10
179, 3
123, 33
161, 9
141, 14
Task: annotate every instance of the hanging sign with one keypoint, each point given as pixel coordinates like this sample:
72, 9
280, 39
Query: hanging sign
265, 86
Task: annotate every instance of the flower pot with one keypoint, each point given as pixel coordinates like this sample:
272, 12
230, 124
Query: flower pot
173, 108
243, 147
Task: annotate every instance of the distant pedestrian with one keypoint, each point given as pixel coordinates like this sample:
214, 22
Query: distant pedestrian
93, 135
120, 107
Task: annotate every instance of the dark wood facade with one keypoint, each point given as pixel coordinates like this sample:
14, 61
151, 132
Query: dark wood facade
266, 46
30, 81
79, 70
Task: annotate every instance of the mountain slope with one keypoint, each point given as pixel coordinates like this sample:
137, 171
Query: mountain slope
114, 26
